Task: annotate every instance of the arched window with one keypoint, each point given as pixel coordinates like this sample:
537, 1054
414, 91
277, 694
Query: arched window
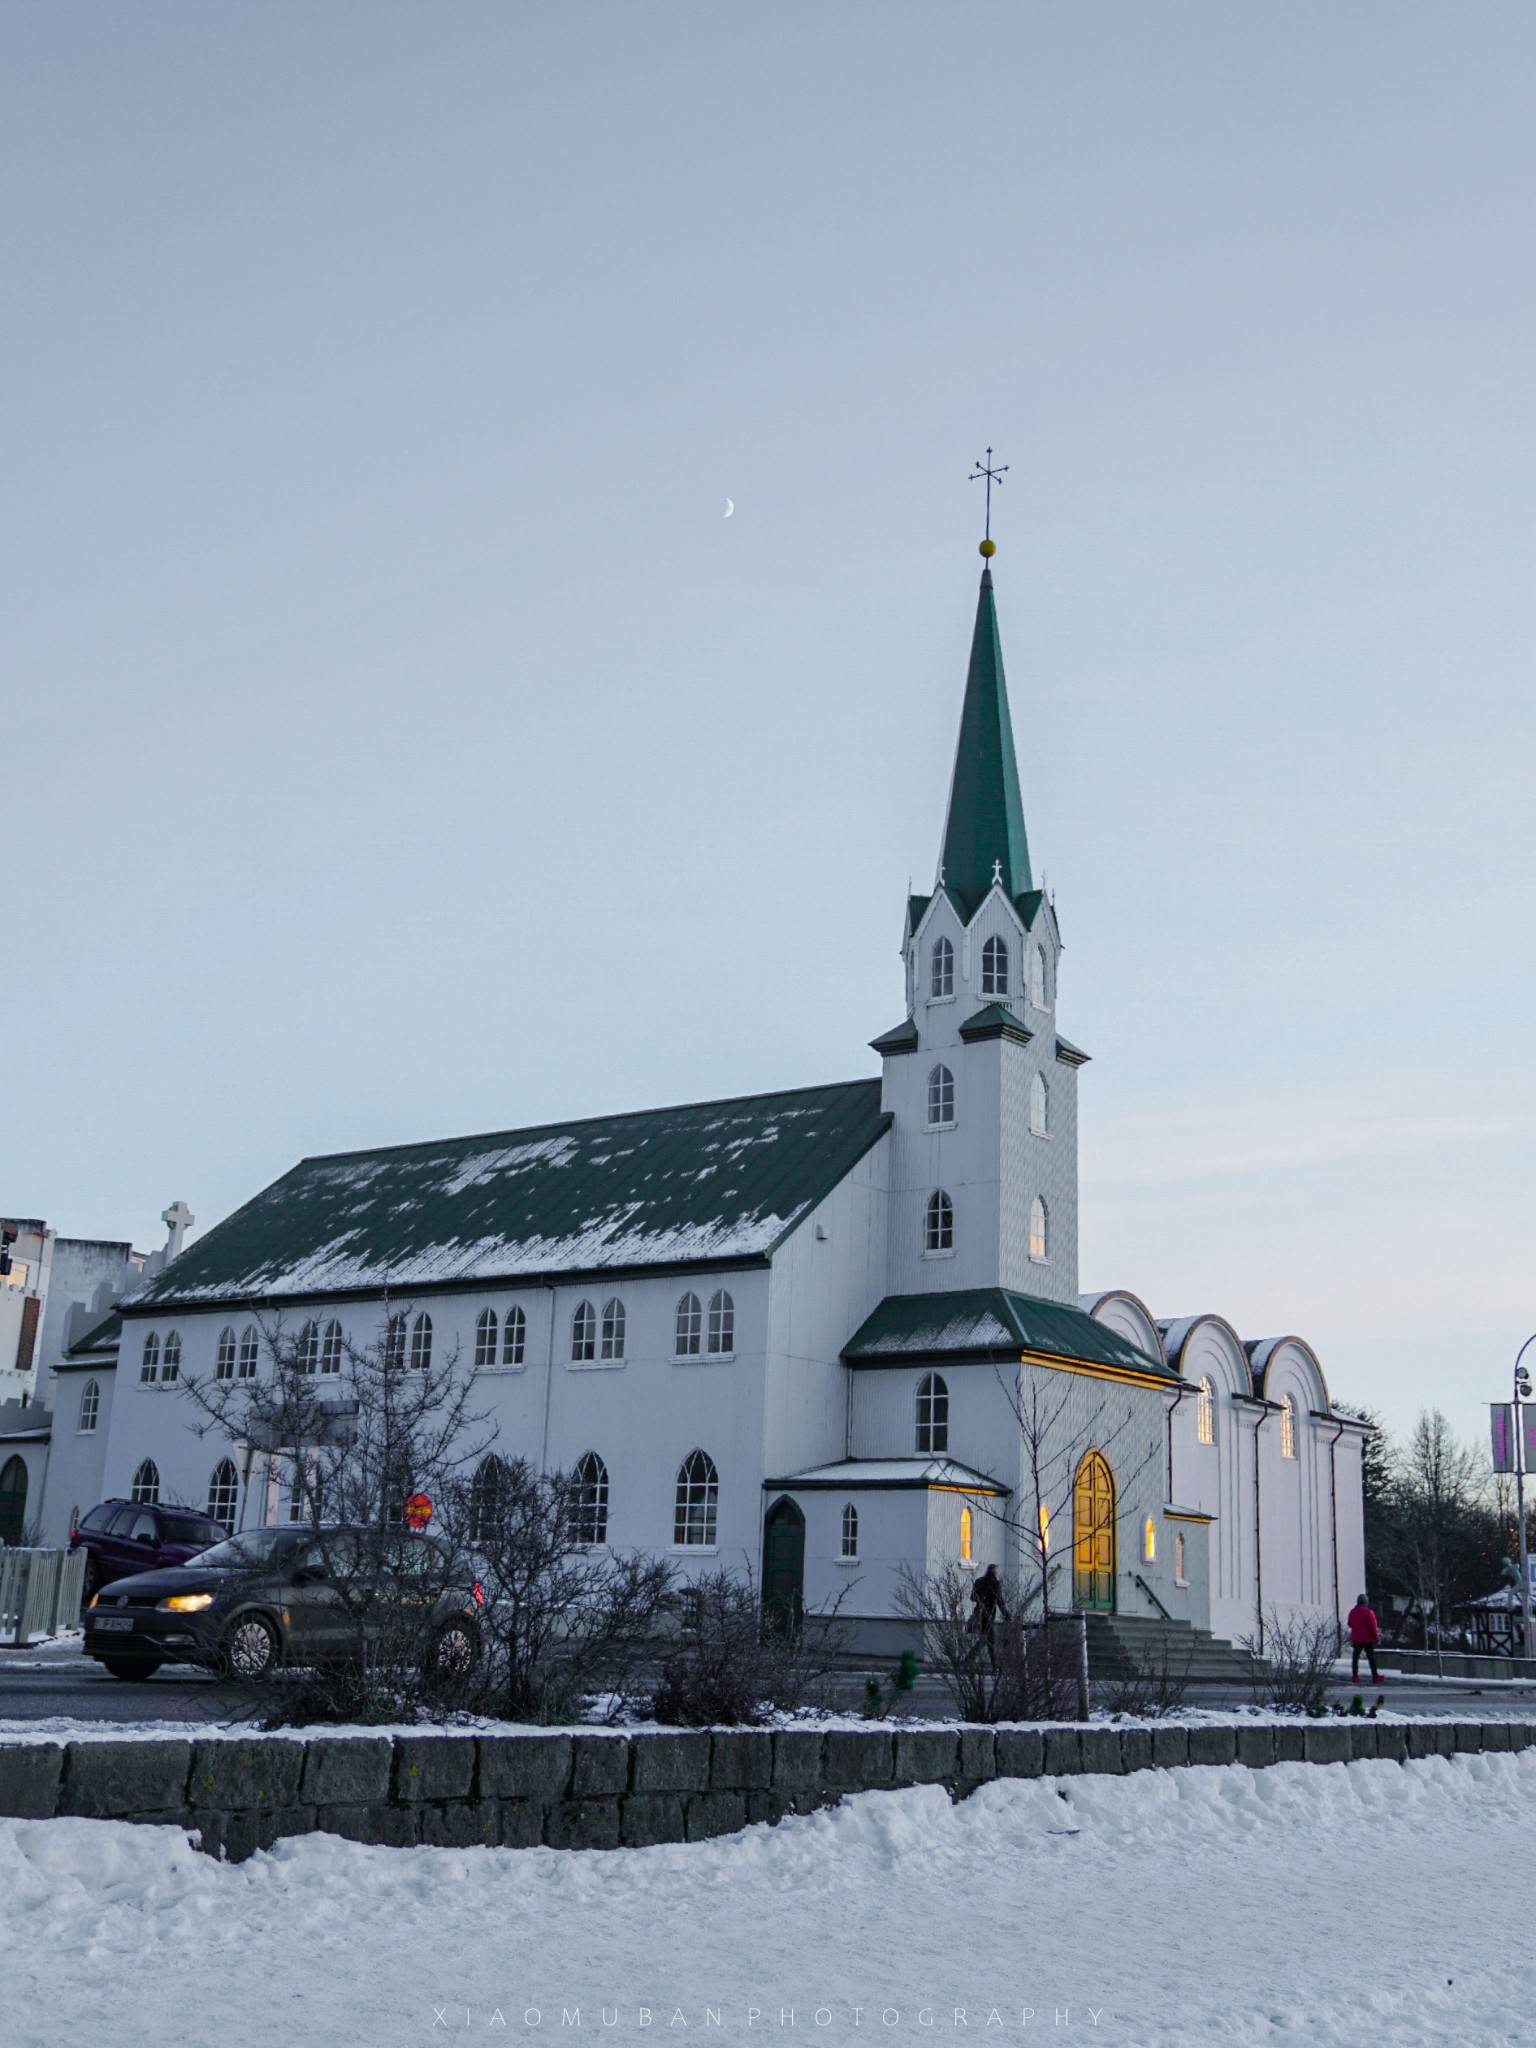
994, 967
939, 1223
941, 1096
90, 1406
850, 1530
1205, 1414
1039, 1106
514, 1336
394, 1341
584, 1334
1149, 1542
941, 980
932, 1415
224, 1361
421, 1341
966, 1525
1039, 1230
307, 1357
1287, 1427
149, 1359
485, 1338
698, 1500
722, 1324
223, 1495
249, 1342
690, 1326
1179, 1577
487, 1498
613, 1328
1037, 983
1045, 1529
170, 1357
332, 1344
13, 1502
146, 1484
589, 1502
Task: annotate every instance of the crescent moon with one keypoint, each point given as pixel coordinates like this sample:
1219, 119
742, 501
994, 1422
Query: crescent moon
730, 507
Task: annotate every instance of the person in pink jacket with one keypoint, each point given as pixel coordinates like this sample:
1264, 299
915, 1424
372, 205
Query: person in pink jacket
1364, 1634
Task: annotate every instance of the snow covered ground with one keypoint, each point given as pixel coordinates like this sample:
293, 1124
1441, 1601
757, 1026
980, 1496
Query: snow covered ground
1361, 1903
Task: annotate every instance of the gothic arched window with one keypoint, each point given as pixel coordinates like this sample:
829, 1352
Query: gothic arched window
994, 967
332, 1344
170, 1358
941, 1096
149, 1358
249, 1345
421, 1341
698, 1501
1038, 993
146, 1484
514, 1336
613, 1328
584, 1334
932, 1415
1205, 1414
224, 1362
722, 1324
90, 1408
1287, 1427
487, 1495
485, 1338
307, 1357
690, 1325
967, 1524
1039, 1106
941, 980
939, 1223
850, 1530
223, 1495
1039, 1230
589, 1501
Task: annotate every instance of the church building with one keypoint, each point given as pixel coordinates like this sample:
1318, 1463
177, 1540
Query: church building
833, 1334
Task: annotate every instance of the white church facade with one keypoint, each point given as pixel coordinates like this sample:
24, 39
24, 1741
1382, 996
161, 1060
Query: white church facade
834, 1334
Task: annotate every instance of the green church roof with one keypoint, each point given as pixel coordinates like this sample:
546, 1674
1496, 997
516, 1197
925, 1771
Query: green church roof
992, 1323
984, 831
705, 1181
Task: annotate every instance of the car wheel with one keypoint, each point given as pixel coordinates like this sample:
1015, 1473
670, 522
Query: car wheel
131, 1667
455, 1653
251, 1649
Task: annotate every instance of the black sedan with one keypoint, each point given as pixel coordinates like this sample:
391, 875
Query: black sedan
291, 1596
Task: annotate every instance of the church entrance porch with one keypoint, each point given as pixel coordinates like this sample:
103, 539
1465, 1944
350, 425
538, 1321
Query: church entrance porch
784, 1563
1093, 1535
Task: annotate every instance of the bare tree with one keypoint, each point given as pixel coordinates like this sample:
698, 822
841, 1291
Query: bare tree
1017, 1671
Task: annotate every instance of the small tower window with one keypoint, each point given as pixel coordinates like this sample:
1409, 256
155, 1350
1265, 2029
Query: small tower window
941, 1096
1039, 1231
850, 1530
514, 1336
1287, 1427
690, 1326
485, 1339
941, 980
1039, 1106
1205, 1414
939, 1223
966, 1526
584, 1334
613, 1329
332, 1344
932, 1415
994, 968
1039, 994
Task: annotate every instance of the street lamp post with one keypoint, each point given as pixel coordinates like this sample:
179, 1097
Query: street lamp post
1522, 1393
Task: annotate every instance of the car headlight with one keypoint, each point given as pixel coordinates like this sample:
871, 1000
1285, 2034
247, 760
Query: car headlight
94, 1598
184, 1603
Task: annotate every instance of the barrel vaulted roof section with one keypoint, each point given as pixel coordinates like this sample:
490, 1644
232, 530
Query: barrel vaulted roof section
703, 1181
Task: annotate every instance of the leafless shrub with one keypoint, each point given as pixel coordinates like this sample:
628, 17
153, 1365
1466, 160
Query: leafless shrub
1156, 1687
732, 1665
1019, 1671
1295, 1666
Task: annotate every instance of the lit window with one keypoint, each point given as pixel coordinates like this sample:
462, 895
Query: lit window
149, 1363
1287, 1427
589, 1502
932, 1415
421, 1342
223, 1494
690, 1326
170, 1357
1037, 981
941, 1096
514, 1337
1039, 1227
307, 1358
487, 1498
248, 1349
939, 1223
698, 1500
90, 1408
1205, 1414
224, 1362
1045, 1528
1039, 1106
850, 1530
485, 1338
613, 1328
1179, 1578
331, 1347
1149, 1542
965, 1536
942, 980
722, 1324
146, 1484
994, 968
584, 1334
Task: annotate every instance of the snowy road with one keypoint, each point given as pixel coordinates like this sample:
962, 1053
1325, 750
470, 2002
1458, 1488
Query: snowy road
1363, 1903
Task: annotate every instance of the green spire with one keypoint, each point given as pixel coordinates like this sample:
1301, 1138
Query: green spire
984, 831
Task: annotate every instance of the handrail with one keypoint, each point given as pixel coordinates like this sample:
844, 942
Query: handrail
1162, 1610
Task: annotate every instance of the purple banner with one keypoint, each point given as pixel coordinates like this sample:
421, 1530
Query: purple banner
1503, 1436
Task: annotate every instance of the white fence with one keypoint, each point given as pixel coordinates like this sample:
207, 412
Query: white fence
39, 1592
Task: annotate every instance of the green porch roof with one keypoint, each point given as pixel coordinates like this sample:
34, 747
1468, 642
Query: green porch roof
991, 1323
706, 1181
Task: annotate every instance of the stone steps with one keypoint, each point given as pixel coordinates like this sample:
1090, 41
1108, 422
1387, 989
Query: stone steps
1124, 1646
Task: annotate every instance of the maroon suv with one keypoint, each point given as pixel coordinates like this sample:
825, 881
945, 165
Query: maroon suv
126, 1536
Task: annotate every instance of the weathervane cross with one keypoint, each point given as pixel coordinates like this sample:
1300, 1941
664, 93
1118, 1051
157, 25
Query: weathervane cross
993, 476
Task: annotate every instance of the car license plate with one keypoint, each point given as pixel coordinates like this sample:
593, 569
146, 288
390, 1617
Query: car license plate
114, 1621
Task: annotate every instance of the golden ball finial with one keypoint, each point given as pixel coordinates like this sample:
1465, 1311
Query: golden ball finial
989, 548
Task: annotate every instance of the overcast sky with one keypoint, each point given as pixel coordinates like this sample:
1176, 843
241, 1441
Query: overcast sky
398, 742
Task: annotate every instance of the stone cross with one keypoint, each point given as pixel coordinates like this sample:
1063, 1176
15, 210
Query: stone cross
178, 1219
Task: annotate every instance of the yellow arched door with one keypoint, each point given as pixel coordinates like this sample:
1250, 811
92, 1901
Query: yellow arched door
1093, 1534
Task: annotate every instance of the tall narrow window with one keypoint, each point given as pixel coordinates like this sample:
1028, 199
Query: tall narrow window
146, 1484
584, 1334
1039, 1106
690, 1326
306, 1359
485, 1338
698, 1501
613, 1328
1045, 1529
224, 1361
223, 1495
394, 1341
1149, 1542
967, 1525
487, 1497
850, 1530
1039, 1231
514, 1336
421, 1342
170, 1357
1205, 1414
1180, 1577
249, 1345
932, 1415
149, 1359
90, 1408
1037, 991
589, 1502
941, 981
939, 1223
332, 1344
941, 1096
994, 968
1287, 1427
722, 1324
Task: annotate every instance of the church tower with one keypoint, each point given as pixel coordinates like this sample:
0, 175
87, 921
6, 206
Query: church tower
982, 1087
